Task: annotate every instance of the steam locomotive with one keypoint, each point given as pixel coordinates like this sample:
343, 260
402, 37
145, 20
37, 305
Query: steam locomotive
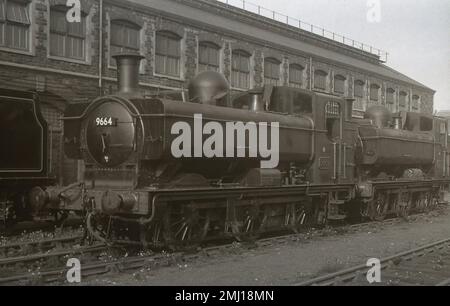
331, 167
23, 154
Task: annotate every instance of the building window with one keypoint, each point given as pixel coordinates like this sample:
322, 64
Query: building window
359, 89
168, 54
390, 96
14, 24
390, 99
271, 71
67, 39
403, 99
209, 57
415, 102
125, 38
374, 92
296, 75
320, 79
339, 84
240, 77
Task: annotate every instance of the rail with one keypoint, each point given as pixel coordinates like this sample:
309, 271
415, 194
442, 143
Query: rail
305, 26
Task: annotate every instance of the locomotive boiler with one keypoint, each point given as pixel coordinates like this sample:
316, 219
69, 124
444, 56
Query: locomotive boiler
177, 172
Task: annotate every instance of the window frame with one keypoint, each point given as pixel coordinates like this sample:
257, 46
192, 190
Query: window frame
299, 68
400, 100
415, 101
390, 92
372, 87
321, 73
124, 48
339, 77
2, 22
208, 45
274, 65
240, 72
362, 84
170, 37
66, 33
5, 21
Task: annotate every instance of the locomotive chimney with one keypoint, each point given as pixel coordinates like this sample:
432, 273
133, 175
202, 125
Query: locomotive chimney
257, 102
398, 122
128, 73
349, 109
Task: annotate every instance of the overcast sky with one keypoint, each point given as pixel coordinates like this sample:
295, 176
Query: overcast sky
416, 33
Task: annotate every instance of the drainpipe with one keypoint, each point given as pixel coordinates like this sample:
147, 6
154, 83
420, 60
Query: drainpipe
100, 49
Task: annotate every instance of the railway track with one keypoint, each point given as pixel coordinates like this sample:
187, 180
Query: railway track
152, 260
32, 226
44, 245
427, 265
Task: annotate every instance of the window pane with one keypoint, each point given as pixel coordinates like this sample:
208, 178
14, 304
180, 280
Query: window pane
17, 12
56, 44
214, 56
271, 72
167, 55
58, 22
244, 64
374, 92
235, 61
126, 36
77, 29
359, 89
240, 70
173, 66
403, 98
75, 48
159, 64
295, 75
390, 96
2, 27
339, 84
2, 9
133, 39
17, 36
116, 35
416, 102
174, 47
320, 80
67, 39
208, 57
161, 44
203, 54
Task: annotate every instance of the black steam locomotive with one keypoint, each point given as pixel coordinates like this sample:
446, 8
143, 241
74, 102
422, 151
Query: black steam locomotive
23, 155
330, 166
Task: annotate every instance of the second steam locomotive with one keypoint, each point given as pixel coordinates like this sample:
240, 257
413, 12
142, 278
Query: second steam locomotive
329, 166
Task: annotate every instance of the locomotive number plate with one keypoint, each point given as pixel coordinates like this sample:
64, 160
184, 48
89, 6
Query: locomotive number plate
105, 121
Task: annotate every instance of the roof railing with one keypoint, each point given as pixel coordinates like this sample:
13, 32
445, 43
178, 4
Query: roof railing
305, 26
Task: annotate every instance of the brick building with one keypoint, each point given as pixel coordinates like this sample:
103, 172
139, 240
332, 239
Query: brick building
68, 62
